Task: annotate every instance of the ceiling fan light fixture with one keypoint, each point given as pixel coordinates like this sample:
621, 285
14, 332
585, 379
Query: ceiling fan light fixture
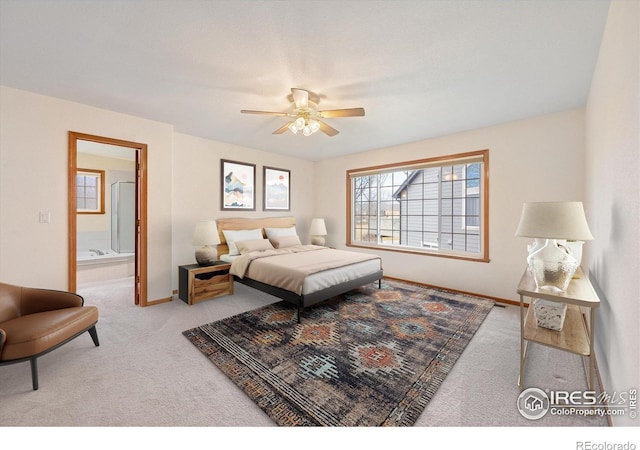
304, 124
300, 123
305, 114
314, 125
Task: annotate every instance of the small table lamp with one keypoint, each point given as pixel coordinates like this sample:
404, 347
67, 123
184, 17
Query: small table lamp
206, 235
318, 231
553, 266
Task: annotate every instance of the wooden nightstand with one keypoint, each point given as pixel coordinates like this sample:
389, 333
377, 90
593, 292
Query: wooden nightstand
198, 283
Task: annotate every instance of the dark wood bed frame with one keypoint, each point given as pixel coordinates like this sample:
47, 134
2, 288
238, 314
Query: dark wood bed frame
301, 301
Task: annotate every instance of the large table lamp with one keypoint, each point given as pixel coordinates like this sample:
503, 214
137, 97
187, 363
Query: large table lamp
317, 231
206, 237
553, 265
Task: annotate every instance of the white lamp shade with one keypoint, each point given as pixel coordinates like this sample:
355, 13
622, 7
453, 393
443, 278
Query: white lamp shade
206, 233
554, 220
318, 228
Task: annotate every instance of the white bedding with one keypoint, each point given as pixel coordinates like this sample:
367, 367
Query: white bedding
331, 277
227, 258
327, 278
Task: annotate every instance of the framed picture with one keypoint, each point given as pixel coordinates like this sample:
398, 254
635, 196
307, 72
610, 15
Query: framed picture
277, 189
238, 186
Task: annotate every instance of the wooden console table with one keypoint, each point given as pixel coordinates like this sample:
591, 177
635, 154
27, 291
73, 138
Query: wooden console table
575, 336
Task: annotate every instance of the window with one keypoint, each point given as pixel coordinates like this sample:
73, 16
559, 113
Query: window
434, 206
89, 191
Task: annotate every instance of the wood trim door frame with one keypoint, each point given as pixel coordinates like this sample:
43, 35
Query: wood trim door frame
141, 210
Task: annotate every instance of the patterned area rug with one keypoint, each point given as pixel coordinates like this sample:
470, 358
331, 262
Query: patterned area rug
371, 357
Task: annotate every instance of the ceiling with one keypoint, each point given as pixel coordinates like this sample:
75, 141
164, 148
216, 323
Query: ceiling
421, 68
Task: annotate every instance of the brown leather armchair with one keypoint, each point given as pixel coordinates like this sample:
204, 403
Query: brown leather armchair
35, 321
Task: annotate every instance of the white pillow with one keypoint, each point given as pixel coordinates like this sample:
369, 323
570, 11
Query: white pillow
253, 245
277, 232
231, 236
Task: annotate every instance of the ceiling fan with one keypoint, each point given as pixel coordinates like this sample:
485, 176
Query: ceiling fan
305, 116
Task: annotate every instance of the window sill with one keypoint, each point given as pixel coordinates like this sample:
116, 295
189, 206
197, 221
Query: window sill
481, 259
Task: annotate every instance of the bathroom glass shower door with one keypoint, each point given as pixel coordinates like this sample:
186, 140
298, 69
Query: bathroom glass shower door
123, 216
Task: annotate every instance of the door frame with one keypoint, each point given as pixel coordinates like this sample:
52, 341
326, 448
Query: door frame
141, 210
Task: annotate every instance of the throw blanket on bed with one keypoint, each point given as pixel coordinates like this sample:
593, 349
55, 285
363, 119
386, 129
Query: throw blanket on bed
288, 267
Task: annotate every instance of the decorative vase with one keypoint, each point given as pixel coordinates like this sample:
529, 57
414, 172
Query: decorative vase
549, 314
552, 266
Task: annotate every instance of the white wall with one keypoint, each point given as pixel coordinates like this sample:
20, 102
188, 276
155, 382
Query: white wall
613, 198
183, 187
538, 159
197, 189
33, 178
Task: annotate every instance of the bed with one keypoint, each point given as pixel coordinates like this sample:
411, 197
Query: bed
266, 254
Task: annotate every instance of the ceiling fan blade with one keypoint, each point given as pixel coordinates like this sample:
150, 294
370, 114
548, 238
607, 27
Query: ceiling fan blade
270, 113
349, 112
300, 98
283, 128
326, 129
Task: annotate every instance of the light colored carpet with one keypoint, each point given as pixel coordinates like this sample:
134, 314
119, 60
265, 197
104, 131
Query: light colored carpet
146, 374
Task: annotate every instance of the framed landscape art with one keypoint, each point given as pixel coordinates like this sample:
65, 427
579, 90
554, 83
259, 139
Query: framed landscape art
277, 189
238, 186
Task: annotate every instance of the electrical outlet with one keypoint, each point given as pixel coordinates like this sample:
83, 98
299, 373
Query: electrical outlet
45, 217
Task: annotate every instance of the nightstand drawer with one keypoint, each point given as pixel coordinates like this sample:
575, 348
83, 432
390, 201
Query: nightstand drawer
205, 279
213, 287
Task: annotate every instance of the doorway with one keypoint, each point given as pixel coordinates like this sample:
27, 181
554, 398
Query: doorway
112, 197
